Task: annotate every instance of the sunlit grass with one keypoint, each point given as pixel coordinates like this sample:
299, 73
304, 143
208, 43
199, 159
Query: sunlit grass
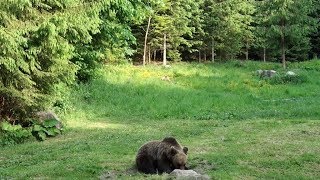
197, 91
235, 125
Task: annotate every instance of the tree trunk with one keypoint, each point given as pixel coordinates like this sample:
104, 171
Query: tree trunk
205, 56
165, 49
199, 56
264, 46
145, 42
264, 54
149, 54
154, 55
247, 51
213, 52
283, 47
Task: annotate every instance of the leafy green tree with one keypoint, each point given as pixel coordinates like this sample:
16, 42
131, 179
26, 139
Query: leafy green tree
173, 27
152, 6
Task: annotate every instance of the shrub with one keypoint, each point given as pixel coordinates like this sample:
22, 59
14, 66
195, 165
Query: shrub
40, 129
307, 65
48, 128
283, 78
13, 134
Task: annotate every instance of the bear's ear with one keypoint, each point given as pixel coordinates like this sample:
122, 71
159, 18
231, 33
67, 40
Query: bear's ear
173, 151
185, 150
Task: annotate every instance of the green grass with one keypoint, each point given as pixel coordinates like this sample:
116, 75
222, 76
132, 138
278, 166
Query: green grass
235, 125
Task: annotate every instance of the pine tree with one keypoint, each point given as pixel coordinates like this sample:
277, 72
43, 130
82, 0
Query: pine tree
290, 23
228, 24
315, 36
47, 43
172, 27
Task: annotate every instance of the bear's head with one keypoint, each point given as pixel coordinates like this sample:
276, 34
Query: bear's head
179, 157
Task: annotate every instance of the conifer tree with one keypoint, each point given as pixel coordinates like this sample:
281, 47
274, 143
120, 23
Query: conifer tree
47, 43
228, 24
173, 25
290, 23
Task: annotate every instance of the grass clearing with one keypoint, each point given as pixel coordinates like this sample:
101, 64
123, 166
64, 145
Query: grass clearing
235, 125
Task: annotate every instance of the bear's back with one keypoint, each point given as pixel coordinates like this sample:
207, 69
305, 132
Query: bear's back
156, 149
149, 149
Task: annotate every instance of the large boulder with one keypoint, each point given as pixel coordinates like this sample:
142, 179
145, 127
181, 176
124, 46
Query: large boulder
43, 116
187, 175
266, 73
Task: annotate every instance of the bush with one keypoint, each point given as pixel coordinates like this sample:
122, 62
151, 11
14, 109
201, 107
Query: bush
307, 65
13, 134
39, 128
48, 128
283, 78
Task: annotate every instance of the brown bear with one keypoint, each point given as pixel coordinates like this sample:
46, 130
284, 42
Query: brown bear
161, 156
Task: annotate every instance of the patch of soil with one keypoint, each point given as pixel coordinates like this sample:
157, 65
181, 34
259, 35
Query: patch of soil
112, 174
202, 166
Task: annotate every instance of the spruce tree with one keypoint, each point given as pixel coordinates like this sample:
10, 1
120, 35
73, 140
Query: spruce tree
290, 25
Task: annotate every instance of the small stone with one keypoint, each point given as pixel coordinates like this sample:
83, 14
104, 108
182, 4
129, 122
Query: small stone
165, 78
108, 175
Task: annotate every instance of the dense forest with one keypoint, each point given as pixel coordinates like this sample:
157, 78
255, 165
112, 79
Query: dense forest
48, 44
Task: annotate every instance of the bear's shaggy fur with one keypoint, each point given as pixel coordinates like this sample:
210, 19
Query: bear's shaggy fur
161, 156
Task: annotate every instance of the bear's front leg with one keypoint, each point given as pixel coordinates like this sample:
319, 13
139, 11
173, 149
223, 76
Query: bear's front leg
146, 165
164, 167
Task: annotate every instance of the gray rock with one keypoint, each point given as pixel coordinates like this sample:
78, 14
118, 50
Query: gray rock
291, 73
259, 72
188, 175
47, 115
271, 73
266, 73
108, 175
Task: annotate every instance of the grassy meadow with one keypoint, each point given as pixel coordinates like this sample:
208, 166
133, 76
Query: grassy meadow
236, 125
